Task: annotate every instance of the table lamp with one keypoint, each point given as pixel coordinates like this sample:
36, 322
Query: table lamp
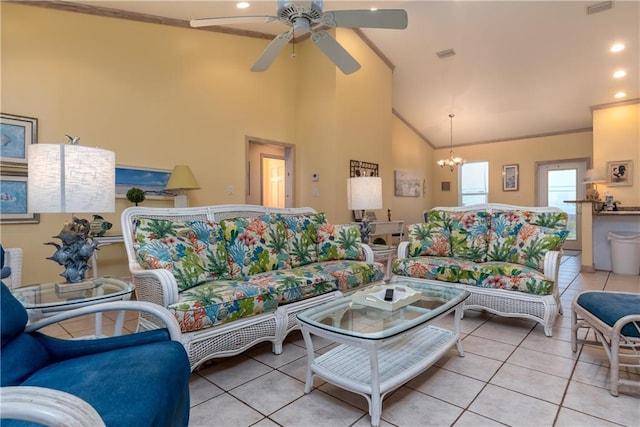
595, 177
69, 178
182, 179
364, 193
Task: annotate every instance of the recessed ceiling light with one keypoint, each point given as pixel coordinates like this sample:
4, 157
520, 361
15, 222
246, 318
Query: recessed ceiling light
242, 5
620, 95
373, 9
618, 47
619, 74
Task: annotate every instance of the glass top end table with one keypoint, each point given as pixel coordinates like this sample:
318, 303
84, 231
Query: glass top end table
47, 299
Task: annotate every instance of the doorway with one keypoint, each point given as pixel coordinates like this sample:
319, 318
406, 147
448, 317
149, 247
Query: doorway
273, 192
270, 173
559, 182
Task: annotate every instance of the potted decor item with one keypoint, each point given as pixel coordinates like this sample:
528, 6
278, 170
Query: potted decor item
135, 195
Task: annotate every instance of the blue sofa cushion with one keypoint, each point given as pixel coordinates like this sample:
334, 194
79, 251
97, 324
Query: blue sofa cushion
4, 271
110, 382
611, 307
13, 316
20, 358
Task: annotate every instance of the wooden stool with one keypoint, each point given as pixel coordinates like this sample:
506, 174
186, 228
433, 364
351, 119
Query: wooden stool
614, 318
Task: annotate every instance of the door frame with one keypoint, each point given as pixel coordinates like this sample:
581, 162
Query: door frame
580, 193
289, 167
268, 156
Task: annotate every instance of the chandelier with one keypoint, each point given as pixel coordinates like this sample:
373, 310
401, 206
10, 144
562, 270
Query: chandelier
452, 161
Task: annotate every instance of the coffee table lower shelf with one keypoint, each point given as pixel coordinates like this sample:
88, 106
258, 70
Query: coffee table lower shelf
375, 368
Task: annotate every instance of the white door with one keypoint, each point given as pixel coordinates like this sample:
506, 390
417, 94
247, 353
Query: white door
559, 182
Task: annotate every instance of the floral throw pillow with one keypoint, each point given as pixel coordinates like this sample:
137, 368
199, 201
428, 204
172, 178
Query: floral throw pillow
339, 242
534, 242
429, 239
193, 251
301, 235
255, 245
470, 235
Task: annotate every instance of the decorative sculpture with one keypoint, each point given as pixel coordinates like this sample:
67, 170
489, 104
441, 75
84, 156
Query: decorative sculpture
77, 247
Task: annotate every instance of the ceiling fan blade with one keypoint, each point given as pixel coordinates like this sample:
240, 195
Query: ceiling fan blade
271, 52
336, 53
230, 20
384, 18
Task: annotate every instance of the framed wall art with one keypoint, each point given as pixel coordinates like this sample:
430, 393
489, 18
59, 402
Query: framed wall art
406, 184
13, 200
360, 168
620, 173
510, 178
152, 181
16, 133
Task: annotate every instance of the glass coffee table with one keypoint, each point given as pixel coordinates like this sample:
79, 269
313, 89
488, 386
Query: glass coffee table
47, 299
381, 348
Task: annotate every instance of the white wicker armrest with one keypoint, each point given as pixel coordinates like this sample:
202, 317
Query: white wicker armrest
154, 285
368, 253
13, 260
403, 249
552, 265
162, 313
47, 406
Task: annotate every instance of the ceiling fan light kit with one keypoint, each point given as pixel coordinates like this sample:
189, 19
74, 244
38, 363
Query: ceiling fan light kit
304, 18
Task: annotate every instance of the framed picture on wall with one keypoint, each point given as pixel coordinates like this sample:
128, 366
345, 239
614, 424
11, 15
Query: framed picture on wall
17, 133
620, 173
152, 181
510, 178
13, 200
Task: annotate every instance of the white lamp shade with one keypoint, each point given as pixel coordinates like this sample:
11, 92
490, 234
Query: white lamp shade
182, 179
67, 178
594, 176
364, 193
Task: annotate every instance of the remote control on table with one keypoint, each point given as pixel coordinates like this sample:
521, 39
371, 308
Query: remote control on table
388, 295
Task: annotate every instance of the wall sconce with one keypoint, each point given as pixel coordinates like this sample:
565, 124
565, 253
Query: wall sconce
182, 179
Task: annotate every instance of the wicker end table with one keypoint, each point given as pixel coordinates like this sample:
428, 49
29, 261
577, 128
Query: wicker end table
381, 349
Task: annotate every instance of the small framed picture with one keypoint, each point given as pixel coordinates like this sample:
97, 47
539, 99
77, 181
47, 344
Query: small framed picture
17, 134
13, 200
620, 173
510, 178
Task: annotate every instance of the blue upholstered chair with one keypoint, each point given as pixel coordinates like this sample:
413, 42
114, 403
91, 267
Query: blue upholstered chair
139, 379
614, 319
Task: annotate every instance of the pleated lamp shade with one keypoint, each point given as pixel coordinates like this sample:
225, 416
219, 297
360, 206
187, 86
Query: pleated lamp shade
364, 192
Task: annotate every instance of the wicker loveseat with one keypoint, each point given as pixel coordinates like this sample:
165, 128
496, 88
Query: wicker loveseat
507, 257
236, 275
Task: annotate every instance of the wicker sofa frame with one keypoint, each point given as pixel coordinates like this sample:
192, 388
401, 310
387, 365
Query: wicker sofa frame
159, 286
540, 308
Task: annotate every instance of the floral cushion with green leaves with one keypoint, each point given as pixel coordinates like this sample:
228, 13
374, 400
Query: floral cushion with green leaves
339, 242
469, 235
295, 284
301, 235
221, 301
535, 241
506, 243
192, 250
255, 245
349, 274
431, 238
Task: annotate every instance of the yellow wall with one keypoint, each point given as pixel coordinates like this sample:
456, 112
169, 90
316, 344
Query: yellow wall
616, 133
524, 152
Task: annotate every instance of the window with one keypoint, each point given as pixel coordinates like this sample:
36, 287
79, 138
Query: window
474, 183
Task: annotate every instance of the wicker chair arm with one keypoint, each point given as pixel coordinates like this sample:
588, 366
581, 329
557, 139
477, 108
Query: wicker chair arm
159, 312
47, 406
368, 252
403, 250
552, 265
158, 286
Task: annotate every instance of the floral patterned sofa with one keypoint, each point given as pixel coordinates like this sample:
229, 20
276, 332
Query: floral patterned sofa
508, 257
236, 275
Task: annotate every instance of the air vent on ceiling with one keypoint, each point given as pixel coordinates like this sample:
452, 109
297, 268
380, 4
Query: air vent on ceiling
599, 7
445, 53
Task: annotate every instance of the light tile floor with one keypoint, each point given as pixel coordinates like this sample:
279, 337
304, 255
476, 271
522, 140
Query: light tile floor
511, 375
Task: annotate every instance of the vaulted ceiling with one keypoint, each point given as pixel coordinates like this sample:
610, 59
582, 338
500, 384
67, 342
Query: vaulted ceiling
520, 69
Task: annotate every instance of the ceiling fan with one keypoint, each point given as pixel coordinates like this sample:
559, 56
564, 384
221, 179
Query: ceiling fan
306, 18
